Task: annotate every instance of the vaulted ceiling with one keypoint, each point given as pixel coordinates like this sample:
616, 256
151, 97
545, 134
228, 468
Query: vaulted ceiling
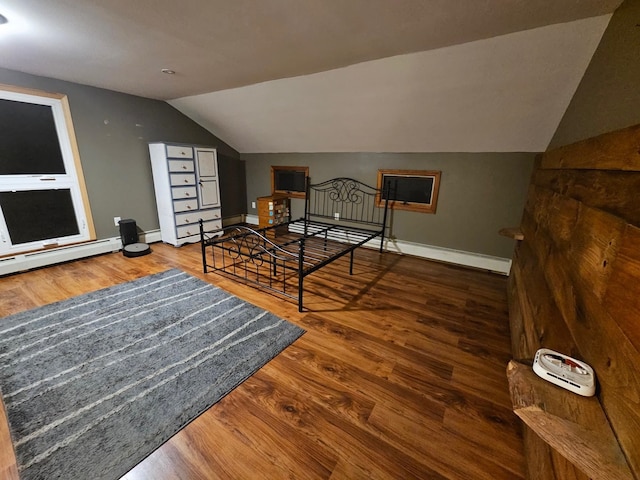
326, 75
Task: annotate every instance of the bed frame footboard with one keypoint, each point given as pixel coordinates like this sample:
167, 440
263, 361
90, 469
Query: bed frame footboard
248, 255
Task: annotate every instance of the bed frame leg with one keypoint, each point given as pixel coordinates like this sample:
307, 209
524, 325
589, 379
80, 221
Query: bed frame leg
300, 274
203, 247
351, 263
300, 307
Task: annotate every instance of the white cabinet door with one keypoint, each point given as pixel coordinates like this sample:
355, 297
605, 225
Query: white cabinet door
207, 163
209, 194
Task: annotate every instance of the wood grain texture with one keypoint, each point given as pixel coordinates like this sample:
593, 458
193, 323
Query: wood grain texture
543, 462
400, 374
575, 284
619, 150
574, 426
611, 191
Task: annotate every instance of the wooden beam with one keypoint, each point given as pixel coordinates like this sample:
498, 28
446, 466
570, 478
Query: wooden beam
574, 426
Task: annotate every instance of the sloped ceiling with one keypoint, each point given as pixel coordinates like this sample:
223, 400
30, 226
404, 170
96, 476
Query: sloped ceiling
326, 75
506, 93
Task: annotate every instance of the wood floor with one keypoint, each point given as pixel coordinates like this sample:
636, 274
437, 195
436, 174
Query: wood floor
401, 374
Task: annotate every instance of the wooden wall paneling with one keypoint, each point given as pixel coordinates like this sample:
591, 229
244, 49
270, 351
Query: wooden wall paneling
624, 414
519, 347
557, 216
609, 351
594, 244
525, 337
615, 192
576, 278
543, 323
622, 302
545, 463
619, 150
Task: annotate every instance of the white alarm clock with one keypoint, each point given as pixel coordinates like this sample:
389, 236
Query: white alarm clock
565, 372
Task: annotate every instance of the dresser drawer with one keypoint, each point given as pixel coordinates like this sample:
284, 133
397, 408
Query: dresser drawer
181, 166
174, 151
183, 192
179, 179
211, 226
185, 205
194, 217
194, 228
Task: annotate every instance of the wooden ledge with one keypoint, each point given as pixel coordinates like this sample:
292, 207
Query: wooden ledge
513, 232
576, 427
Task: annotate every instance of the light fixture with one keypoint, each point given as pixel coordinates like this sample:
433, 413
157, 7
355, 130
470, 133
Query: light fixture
168, 71
3, 19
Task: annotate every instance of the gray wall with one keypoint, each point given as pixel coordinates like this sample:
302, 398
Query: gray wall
112, 131
608, 97
480, 193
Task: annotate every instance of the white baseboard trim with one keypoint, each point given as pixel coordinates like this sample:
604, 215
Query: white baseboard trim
448, 255
152, 236
28, 261
43, 258
441, 254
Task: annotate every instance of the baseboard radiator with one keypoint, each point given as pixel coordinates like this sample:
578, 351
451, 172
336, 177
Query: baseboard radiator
42, 258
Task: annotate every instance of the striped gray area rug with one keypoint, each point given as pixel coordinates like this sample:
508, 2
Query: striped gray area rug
94, 384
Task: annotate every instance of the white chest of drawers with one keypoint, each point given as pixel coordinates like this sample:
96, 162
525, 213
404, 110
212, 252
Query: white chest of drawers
185, 179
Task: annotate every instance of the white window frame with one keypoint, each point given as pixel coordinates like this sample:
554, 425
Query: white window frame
72, 179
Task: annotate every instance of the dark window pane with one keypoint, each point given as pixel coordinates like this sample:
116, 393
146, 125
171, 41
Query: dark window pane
408, 189
38, 215
28, 140
290, 181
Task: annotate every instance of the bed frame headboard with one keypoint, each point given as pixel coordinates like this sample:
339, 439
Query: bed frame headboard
344, 199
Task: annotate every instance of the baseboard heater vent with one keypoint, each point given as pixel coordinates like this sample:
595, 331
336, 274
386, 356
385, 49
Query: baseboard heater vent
28, 261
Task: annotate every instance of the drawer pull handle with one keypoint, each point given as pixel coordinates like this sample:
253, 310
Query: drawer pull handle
186, 180
189, 207
187, 194
184, 167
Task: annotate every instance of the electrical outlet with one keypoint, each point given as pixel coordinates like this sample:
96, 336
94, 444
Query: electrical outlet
253, 204
116, 220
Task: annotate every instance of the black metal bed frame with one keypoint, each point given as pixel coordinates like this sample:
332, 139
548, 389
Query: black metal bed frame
340, 215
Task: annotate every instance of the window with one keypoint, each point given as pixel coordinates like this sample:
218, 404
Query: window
290, 181
413, 190
43, 201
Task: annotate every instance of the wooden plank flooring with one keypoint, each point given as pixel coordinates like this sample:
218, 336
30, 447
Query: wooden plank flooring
401, 374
